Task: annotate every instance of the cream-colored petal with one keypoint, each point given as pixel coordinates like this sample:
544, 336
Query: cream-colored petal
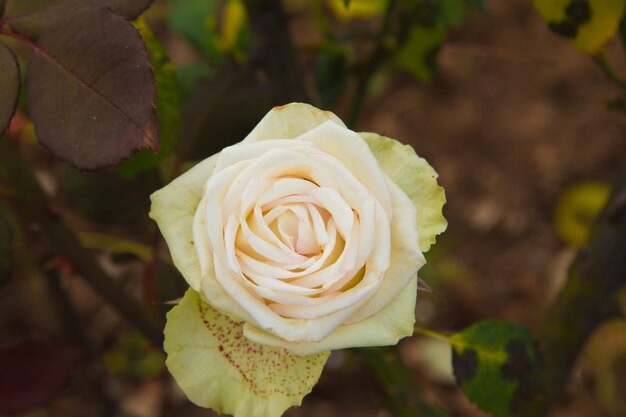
218, 368
392, 323
417, 179
406, 257
173, 208
290, 121
349, 148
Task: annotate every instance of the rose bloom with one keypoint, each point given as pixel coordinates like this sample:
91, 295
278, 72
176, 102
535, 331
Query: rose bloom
303, 238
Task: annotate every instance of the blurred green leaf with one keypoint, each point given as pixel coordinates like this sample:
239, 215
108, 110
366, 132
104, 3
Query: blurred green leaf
213, 27
133, 356
6, 249
192, 19
576, 210
418, 54
429, 23
115, 245
331, 76
606, 352
9, 86
495, 364
189, 76
167, 106
93, 105
357, 9
107, 198
588, 23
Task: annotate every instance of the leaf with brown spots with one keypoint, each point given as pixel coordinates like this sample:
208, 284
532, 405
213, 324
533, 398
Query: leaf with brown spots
217, 367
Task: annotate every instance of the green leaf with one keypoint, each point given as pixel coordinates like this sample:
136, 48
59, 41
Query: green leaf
577, 209
189, 76
107, 198
588, 23
419, 52
194, 19
346, 3
9, 86
6, 249
91, 90
32, 17
134, 357
218, 367
331, 76
495, 363
167, 106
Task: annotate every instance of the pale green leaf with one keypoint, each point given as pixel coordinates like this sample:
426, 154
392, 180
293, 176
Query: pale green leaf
218, 367
417, 179
576, 210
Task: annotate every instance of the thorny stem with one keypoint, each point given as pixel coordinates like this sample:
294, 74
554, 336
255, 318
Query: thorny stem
15, 171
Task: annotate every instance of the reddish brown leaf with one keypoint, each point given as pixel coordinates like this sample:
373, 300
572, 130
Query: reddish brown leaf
9, 86
33, 16
91, 90
34, 372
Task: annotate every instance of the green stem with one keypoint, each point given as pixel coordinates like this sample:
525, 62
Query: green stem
432, 333
603, 64
16, 172
371, 66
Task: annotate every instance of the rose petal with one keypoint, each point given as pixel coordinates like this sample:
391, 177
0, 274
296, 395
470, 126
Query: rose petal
406, 258
217, 367
349, 148
390, 324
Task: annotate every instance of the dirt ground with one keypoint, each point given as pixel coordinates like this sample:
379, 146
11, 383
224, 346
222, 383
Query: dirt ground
515, 115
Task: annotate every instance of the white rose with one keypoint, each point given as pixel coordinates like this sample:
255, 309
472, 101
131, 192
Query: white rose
304, 237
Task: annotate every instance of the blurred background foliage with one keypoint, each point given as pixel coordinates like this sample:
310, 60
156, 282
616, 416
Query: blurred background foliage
519, 107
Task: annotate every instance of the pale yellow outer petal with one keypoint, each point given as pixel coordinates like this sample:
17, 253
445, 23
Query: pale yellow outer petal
173, 208
290, 121
217, 367
417, 179
395, 321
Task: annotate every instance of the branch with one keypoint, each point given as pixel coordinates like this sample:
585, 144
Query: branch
16, 172
371, 65
588, 299
274, 51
